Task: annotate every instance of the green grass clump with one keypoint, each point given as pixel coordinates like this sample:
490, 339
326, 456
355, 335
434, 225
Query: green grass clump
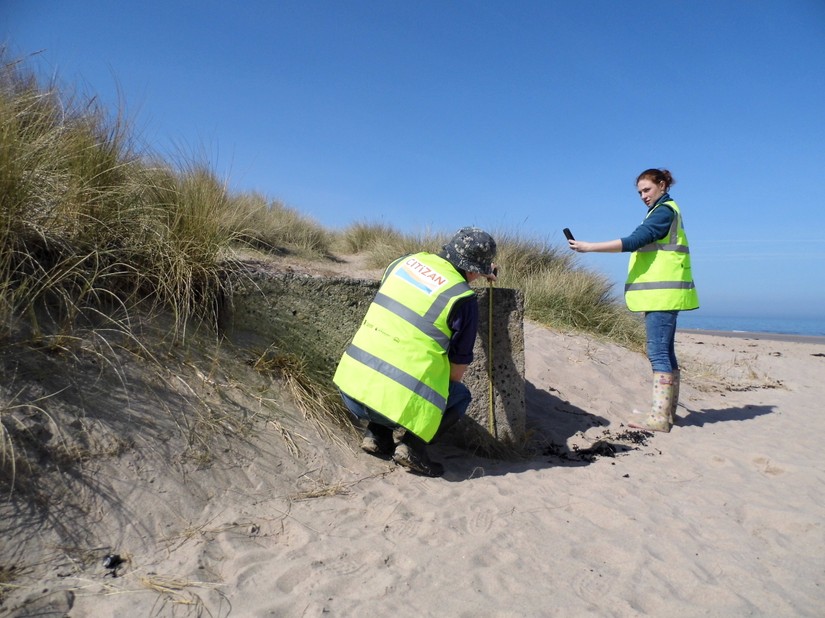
363, 237
269, 225
382, 243
86, 222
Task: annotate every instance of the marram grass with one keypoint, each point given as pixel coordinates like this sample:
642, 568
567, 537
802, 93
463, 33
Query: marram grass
99, 234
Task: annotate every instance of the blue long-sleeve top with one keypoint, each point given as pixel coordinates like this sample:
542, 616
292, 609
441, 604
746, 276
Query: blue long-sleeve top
463, 321
653, 228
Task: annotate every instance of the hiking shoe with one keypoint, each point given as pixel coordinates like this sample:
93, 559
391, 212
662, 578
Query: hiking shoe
416, 461
378, 440
371, 445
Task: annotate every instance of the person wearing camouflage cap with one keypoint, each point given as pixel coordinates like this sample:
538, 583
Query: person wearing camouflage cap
472, 250
403, 370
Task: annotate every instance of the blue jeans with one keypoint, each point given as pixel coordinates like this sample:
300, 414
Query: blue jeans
458, 400
661, 336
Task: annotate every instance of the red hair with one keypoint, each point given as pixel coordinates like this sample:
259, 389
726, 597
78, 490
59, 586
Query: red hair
656, 176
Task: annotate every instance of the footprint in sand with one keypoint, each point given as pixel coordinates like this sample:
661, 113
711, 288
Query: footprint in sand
766, 467
248, 567
401, 528
293, 578
480, 523
380, 510
592, 586
345, 565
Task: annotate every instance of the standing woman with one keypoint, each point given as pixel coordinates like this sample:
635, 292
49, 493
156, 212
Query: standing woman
660, 284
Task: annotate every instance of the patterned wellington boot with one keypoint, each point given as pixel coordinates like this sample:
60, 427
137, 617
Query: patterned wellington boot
677, 378
659, 418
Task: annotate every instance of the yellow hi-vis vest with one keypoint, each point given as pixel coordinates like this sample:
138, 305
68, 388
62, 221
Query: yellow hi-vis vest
659, 276
397, 362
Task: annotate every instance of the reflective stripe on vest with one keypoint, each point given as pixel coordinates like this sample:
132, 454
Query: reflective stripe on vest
659, 274
395, 374
425, 323
397, 362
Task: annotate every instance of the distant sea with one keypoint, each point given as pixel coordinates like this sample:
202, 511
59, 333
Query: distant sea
812, 327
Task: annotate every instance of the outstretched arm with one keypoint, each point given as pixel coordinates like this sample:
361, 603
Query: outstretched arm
607, 246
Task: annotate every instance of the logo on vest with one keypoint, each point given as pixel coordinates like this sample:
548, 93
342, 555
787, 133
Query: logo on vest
421, 276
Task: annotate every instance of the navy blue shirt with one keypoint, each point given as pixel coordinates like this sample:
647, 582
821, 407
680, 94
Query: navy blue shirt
463, 321
654, 228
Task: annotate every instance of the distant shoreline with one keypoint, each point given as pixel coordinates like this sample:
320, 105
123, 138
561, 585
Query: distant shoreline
754, 335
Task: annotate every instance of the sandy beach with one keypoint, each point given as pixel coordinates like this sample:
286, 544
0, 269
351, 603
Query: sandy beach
723, 516
759, 336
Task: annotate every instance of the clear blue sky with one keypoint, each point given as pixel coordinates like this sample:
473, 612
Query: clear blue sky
523, 116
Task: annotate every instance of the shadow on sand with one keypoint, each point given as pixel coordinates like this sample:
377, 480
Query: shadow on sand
551, 423
700, 418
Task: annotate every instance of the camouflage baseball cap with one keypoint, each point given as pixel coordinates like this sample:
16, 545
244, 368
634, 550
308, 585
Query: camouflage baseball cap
471, 249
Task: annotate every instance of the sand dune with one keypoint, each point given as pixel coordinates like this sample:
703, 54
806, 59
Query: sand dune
721, 517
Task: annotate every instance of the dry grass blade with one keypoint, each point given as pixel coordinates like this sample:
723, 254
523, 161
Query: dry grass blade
178, 591
318, 405
287, 437
323, 490
738, 374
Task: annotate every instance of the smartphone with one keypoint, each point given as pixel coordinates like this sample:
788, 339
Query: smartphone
568, 234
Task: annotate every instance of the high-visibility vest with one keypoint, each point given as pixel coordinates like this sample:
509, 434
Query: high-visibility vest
659, 276
397, 361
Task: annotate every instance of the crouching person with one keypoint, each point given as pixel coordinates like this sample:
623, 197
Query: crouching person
404, 366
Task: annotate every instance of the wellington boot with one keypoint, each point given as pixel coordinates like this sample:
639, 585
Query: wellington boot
677, 378
659, 418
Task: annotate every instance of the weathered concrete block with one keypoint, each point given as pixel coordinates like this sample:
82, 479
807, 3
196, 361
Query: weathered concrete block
316, 315
498, 366
320, 315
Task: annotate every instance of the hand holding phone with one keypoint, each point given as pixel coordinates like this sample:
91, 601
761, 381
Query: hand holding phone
568, 234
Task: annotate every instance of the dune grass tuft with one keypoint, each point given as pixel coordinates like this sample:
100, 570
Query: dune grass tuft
272, 227
382, 243
315, 398
86, 222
